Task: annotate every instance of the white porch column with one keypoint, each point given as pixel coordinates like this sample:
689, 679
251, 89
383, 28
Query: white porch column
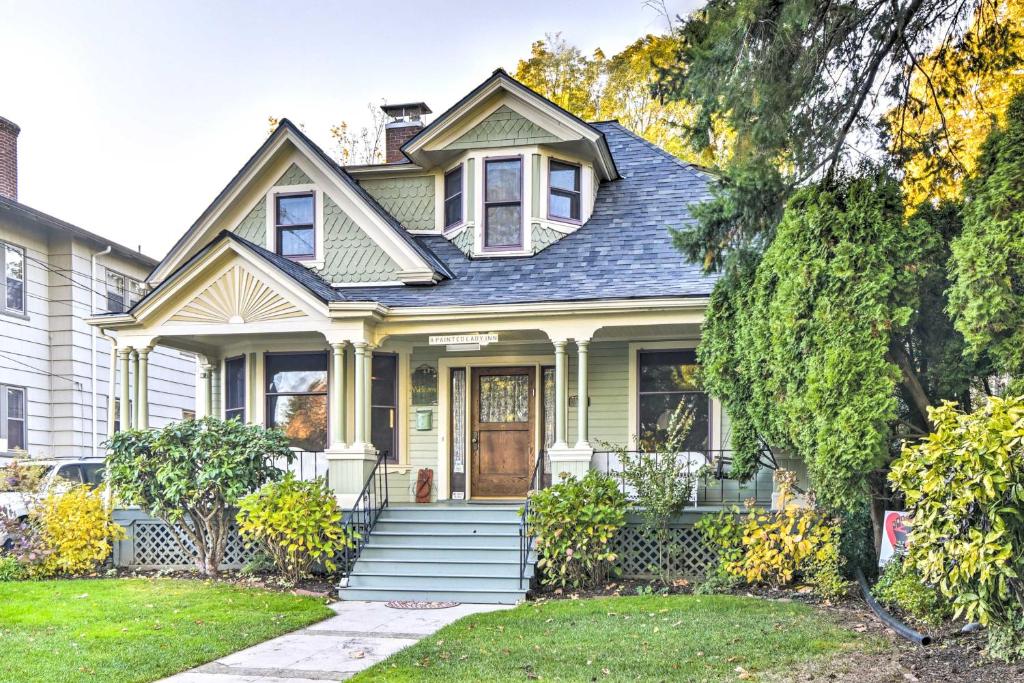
337, 397
360, 396
561, 394
125, 413
582, 398
368, 398
142, 388
207, 388
135, 389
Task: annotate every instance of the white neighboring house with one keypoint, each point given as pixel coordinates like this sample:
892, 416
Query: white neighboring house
55, 371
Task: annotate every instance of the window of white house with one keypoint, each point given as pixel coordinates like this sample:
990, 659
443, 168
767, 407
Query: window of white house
564, 191
295, 225
666, 379
187, 414
12, 263
122, 292
453, 197
297, 397
12, 408
234, 388
503, 204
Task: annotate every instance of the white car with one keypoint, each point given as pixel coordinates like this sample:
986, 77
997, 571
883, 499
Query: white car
58, 473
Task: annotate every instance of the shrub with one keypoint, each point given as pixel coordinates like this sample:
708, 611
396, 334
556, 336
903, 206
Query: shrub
297, 523
77, 528
574, 522
776, 549
963, 485
24, 542
191, 474
16, 477
11, 569
901, 585
663, 484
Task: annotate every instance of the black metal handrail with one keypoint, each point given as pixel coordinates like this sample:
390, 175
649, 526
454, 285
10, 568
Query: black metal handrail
525, 529
362, 518
709, 466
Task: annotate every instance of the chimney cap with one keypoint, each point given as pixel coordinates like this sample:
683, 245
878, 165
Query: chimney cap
410, 110
9, 125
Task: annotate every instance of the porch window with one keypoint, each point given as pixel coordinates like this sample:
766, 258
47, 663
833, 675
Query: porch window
297, 397
384, 405
503, 203
294, 223
12, 263
453, 197
12, 404
666, 379
564, 191
234, 388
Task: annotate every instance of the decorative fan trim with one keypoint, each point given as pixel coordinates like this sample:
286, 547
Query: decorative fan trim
237, 297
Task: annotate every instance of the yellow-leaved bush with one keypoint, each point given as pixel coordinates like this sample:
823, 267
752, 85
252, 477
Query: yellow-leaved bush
297, 523
777, 548
77, 530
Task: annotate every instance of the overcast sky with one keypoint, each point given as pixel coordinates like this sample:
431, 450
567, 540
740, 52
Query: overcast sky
134, 115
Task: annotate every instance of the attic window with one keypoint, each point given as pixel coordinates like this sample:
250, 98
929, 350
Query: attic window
294, 223
564, 193
453, 197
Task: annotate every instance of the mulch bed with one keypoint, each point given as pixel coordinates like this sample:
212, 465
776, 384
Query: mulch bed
953, 657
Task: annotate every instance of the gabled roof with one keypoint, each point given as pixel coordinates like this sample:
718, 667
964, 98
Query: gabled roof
24, 212
500, 82
287, 130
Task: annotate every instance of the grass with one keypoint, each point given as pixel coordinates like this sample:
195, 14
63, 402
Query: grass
135, 629
678, 638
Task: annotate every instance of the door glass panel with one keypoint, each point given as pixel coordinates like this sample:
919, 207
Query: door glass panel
504, 398
384, 405
458, 421
549, 407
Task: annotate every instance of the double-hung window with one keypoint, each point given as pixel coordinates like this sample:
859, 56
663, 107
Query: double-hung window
234, 388
564, 191
122, 292
503, 203
12, 265
295, 225
12, 409
453, 197
666, 379
297, 397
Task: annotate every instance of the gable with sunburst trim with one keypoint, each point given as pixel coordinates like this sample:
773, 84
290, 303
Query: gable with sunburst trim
237, 297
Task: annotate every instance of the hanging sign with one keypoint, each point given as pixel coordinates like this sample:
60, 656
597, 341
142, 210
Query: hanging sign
448, 339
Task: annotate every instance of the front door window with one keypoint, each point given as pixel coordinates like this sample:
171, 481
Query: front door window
502, 441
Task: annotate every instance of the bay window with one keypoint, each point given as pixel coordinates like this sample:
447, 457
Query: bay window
453, 197
666, 379
503, 203
563, 191
297, 397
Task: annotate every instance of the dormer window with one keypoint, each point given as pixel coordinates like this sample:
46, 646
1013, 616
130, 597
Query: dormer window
295, 225
503, 204
453, 197
564, 191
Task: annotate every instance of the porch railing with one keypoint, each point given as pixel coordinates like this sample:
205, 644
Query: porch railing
710, 469
362, 518
537, 482
306, 465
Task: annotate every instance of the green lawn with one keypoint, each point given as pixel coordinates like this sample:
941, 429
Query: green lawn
135, 629
679, 638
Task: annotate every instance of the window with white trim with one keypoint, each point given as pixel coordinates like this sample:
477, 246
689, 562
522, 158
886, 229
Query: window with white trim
564, 191
13, 409
295, 225
122, 292
453, 197
12, 265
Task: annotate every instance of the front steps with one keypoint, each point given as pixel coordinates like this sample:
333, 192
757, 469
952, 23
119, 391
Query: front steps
453, 553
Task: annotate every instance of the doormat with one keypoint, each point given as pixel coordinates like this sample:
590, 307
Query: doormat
420, 604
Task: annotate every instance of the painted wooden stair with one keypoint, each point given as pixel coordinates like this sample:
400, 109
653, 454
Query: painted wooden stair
458, 553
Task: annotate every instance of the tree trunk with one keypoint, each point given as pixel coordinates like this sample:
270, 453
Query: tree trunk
915, 391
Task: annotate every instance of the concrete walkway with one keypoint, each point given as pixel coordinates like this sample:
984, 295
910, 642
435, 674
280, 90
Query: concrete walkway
362, 634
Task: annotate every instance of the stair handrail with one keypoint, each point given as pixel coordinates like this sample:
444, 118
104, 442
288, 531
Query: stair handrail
359, 522
526, 534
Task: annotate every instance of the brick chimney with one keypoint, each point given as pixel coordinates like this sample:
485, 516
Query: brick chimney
8, 159
404, 121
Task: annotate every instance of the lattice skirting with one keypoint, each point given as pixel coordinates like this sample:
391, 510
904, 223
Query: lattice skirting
690, 557
150, 545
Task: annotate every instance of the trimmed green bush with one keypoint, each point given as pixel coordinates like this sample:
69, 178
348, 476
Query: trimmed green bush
901, 586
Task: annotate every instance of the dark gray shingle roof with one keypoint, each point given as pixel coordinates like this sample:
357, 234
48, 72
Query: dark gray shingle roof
624, 250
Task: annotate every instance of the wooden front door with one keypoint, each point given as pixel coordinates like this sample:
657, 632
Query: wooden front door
502, 433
